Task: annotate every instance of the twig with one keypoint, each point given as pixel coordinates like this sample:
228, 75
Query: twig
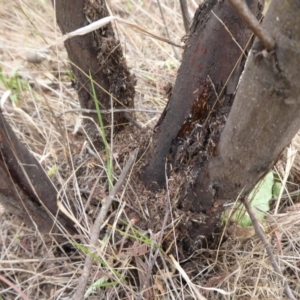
90, 196
109, 111
167, 30
247, 16
79, 293
261, 235
102, 22
133, 121
115, 110
185, 15
230, 33
13, 286
152, 258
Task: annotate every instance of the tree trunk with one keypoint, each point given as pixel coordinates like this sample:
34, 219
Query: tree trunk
25, 188
208, 164
265, 114
211, 66
263, 120
212, 165
100, 56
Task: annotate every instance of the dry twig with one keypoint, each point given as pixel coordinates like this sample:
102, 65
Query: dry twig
79, 293
185, 15
268, 248
167, 30
153, 258
244, 12
13, 286
109, 111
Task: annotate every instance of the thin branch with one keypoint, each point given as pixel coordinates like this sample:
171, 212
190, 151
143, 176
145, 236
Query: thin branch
167, 30
13, 286
90, 196
152, 258
247, 16
79, 293
233, 38
103, 22
261, 235
115, 110
133, 121
108, 111
185, 15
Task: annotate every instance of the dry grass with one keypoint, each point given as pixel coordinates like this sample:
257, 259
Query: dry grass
41, 269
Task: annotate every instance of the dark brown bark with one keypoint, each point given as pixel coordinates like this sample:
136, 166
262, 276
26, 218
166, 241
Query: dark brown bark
263, 120
25, 189
209, 58
100, 55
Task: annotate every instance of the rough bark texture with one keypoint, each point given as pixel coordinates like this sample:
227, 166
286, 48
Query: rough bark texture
209, 58
265, 114
263, 120
25, 188
100, 55
189, 130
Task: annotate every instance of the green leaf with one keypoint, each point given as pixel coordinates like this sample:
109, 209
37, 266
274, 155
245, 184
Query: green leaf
276, 189
98, 259
262, 194
100, 283
259, 199
52, 171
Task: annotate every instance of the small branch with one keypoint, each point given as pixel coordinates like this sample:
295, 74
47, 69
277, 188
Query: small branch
109, 111
247, 16
261, 235
185, 15
152, 258
136, 123
13, 286
79, 293
227, 29
103, 22
167, 30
